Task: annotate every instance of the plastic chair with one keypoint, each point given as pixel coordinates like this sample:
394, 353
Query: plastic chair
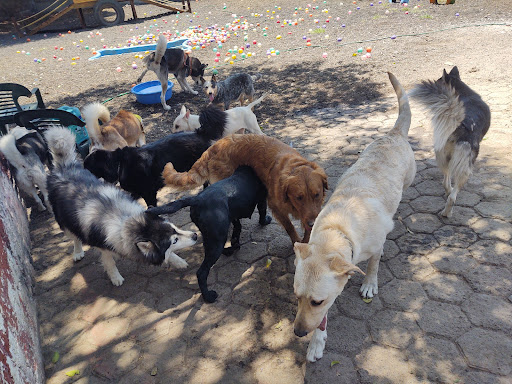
41, 119
9, 103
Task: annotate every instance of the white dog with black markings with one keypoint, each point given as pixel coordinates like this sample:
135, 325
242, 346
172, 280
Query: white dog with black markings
352, 227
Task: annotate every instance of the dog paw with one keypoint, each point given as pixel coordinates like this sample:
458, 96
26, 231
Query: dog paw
316, 347
265, 220
231, 250
194, 92
78, 256
210, 296
369, 289
447, 213
172, 259
117, 279
167, 108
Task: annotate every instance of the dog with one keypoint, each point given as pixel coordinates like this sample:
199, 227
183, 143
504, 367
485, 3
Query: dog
352, 227
212, 210
236, 119
295, 185
235, 87
125, 129
460, 119
176, 61
27, 153
98, 214
139, 170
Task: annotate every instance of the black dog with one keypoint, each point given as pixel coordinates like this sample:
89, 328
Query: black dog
139, 170
212, 210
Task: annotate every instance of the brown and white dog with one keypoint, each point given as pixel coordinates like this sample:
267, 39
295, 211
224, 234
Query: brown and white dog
125, 129
352, 227
176, 61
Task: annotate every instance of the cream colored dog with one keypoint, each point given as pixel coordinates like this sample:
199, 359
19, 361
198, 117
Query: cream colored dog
352, 227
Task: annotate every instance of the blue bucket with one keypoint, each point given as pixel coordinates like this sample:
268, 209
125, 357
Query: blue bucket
149, 92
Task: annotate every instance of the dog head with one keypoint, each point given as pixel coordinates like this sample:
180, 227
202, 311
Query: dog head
304, 188
197, 72
154, 236
321, 273
210, 88
181, 123
104, 164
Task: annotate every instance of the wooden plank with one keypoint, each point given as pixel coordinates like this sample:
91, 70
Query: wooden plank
167, 5
50, 20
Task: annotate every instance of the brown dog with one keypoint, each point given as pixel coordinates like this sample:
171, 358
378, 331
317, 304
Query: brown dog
295, 185
125, 129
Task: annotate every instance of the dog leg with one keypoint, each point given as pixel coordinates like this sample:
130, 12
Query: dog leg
460, 167
109, 264
262, 210
78, 252
370, 287
212, 250
307, 234
442, 163
173, 259
163, 82
235, 239
317, 344
28, 187
284, 220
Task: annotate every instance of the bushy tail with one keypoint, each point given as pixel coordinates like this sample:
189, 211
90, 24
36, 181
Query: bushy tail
61, 142
91, 113
11, 153
257, 76
461, 163
161, 47
403, 122
447, 110
173, 207
184, 181
213, 122
257, 101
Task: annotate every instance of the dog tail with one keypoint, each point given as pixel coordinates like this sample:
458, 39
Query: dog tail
91, 114
184, 181
11, 153
447, 110
403, 122
257, 76
61, 142
172, 207
161, 47
256, 102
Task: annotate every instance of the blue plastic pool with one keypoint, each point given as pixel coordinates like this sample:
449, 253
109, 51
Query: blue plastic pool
149, 92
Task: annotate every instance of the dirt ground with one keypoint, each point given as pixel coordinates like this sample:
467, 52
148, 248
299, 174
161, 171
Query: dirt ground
443, 313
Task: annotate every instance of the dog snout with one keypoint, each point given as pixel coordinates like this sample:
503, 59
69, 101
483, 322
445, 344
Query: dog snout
194, 236
299, 332
310, 223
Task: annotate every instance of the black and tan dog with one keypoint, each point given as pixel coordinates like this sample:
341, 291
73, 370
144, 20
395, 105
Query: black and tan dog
176, 61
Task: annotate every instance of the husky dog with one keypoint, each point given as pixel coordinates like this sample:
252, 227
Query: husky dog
235, 119
235, 87
176, 61
460, 119
125, 129
352, 227
103, 216
27, 153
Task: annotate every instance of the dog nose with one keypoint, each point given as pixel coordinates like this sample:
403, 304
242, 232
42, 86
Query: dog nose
299, 333
194, 236
311, 223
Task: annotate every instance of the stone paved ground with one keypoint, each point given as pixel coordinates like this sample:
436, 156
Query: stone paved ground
444, 309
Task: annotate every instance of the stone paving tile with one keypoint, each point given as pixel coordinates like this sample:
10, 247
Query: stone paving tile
489, 312
446, 287
442, 319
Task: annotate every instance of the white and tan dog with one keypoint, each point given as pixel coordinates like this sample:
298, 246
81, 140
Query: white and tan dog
352, 227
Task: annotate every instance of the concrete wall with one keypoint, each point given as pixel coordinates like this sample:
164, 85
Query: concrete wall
20, 349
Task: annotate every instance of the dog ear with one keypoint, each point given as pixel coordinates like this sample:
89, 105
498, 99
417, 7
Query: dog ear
343, 267
187, 113
301, 251
455, 72
183, 110
286, 186
145, 247
214, 78
445, 75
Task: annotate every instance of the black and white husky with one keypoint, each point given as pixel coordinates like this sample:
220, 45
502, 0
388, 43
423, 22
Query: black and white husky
103, 216
460, 119
27, 153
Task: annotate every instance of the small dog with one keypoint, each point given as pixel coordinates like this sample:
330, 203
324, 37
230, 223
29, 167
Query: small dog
212, 210
27, 153
103, 216
460, 119
176, 61
235, 119
295, 185
139, 170
125, 129
235, 87
352, 227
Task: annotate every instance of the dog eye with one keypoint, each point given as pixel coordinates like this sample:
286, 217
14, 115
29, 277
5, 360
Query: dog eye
175, 240
317, 196
316, 303
299, 197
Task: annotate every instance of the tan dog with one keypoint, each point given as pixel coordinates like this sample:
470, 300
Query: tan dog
352, 227
125, 129
295, 185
